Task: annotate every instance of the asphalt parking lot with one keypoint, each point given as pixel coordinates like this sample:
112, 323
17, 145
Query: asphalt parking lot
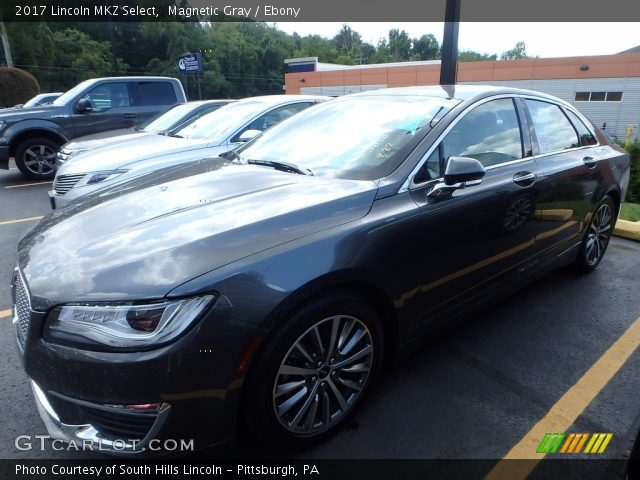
485, 390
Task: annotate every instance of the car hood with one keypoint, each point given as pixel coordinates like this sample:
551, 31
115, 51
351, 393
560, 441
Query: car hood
101, 139
127, 152
130, 244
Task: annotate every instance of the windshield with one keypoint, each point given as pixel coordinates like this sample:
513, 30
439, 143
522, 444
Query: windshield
220, 124
41, 99
353, 137
167, 120
71, 94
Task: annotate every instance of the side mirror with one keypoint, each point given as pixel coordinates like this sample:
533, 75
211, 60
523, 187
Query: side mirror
84, 105
463, 169
249, 135
461, 172
20, 105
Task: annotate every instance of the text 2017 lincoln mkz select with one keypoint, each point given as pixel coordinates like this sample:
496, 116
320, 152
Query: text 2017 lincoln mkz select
263, 291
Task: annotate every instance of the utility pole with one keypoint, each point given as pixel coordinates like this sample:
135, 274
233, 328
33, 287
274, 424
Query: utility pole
5, 44
112, 41
449, 59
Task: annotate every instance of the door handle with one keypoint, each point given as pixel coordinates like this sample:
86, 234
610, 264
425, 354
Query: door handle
524, 179
130, 115
590, 161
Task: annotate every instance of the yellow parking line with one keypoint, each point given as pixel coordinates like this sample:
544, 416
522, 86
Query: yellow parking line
5, 313
28, 184
570, 406
30, 219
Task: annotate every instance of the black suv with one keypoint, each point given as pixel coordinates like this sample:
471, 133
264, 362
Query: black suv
33, 136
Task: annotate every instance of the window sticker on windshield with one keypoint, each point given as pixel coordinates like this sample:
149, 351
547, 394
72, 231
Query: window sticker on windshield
410, 124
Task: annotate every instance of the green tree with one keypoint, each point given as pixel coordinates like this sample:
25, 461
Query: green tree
347, 41
425, 48
315, 46
471, 56
382, 55
16, 86
399, 45
517, 52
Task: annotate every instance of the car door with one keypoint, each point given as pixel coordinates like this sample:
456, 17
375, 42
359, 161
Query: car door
569, 175
112, 106
479, 237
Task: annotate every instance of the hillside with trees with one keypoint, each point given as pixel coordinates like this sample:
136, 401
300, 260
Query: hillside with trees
240, 58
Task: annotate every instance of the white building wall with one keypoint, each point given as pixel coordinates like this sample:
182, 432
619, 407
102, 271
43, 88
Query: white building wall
339, 90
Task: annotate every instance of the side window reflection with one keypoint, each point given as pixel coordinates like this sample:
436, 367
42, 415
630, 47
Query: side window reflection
490, 133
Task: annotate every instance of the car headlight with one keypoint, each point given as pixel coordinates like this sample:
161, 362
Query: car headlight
123, 326
98, 177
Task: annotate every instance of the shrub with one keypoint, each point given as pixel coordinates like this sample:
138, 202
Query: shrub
633, 194
16, 86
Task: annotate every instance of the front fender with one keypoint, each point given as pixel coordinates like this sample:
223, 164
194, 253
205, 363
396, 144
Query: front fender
22, 126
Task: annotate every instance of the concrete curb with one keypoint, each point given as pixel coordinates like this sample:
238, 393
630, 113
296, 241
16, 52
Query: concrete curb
627, 229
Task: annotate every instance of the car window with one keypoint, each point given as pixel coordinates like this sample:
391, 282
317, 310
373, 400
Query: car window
490, 133
431, 168
273, 117
108, 95
217, 125
552, 128
157, 93
586, 137
176, 117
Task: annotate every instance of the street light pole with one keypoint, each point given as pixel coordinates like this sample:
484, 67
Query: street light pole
5, 44
450, 43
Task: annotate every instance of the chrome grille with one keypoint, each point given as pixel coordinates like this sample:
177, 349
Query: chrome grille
21, 310
64, 183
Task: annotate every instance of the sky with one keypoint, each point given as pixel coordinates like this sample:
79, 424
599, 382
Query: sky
546, 40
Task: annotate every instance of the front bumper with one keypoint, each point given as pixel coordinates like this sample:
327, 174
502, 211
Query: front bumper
4, 157
59, 201
87, 396
95, 435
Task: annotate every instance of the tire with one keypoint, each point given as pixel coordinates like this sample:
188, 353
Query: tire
596, 238
312, 401
36, 158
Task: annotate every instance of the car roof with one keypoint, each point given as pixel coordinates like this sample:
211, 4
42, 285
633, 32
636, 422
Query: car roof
278, 99
222, 101
458, 92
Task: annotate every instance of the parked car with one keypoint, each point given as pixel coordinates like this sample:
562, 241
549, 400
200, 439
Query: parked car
262, 292
212, 134
33, 135
162, 123
40, 99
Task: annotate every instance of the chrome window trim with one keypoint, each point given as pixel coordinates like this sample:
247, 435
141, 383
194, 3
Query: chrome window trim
408, 184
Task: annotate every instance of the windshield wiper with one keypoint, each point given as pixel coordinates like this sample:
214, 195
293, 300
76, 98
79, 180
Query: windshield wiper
285, 167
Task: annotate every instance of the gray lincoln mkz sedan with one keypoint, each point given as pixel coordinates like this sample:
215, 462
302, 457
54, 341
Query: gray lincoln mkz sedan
263, 291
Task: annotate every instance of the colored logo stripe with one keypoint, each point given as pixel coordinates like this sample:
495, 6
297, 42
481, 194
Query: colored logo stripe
598, 442
574, 442
550, 443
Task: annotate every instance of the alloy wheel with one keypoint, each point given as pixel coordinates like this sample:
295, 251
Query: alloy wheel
323, 374
40, 159
598, 234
